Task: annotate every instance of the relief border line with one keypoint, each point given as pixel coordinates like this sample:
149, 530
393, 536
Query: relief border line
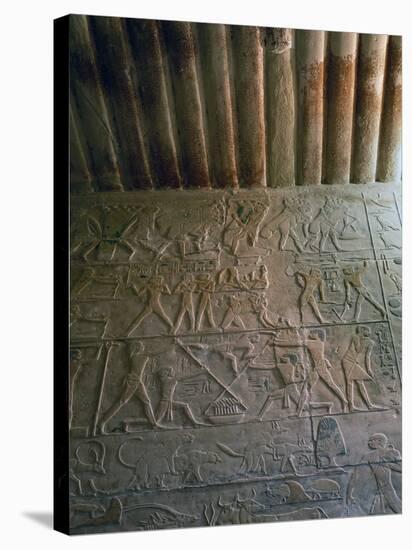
382, 287
198, 429
227, 333
194, 488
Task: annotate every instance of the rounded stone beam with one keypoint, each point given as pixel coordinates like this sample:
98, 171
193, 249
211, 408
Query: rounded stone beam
340, 100
311, 68
280, 108
249, 81
370, 80
390, 149
89, 103
147, 57
182, 61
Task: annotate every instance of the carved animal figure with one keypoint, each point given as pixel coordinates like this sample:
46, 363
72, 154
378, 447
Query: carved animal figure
303, 513
253, 456
88, 462
96, 514
153, 461
248, 510
189, 463
292, 456
297, 492
235, 512
324, 488
157, 516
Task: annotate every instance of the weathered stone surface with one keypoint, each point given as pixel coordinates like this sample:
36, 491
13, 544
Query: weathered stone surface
234, 356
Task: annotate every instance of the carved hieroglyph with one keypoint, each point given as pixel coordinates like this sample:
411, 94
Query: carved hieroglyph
235, 357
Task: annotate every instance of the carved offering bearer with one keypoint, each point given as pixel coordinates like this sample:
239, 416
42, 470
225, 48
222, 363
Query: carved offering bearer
235, 357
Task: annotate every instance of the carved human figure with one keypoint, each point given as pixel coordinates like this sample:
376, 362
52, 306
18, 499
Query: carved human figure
319, 369
256, 279
185, 288
154, 289
250, 349
148, 218
229, 278
324, 226
382, 459
233, 312
247, 217
261, 278
235, 353
350, 224
260, 304
397, 280
353, 281
158, 247
206, 286
312, 283
385, 225
133, 386
357, 366
168, 380
202, 240
295, 212
291, 374
112, 239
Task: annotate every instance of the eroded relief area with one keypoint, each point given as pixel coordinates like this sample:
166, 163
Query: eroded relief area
235, 357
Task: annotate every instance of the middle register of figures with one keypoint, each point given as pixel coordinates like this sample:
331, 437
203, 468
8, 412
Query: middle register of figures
235, 357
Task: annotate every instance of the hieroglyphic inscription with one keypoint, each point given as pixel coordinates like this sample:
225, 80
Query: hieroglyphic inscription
235, 357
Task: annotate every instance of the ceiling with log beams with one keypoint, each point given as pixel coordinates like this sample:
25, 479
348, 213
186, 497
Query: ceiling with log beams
159, 104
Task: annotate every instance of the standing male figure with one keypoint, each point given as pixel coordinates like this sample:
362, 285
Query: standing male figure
319, 370
357, 366
133, 385
206, 287
165, 409
233, 312
353, 280
383, 459
185, 288
311, 281
154, 288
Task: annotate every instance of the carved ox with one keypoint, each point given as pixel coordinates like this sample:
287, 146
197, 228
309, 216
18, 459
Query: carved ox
249, 510
236, 512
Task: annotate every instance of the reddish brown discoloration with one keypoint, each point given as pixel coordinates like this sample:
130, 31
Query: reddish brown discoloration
280, 109
181, 51
389, 165
371, 68
87, 100
311, 85
341, 87
114, 66
172, 104
218, 103
147, 59
249, 82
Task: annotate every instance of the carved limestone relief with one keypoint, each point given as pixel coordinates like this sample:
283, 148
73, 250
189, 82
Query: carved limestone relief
235, 357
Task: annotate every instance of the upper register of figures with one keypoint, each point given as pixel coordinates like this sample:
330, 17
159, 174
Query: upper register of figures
278, 311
